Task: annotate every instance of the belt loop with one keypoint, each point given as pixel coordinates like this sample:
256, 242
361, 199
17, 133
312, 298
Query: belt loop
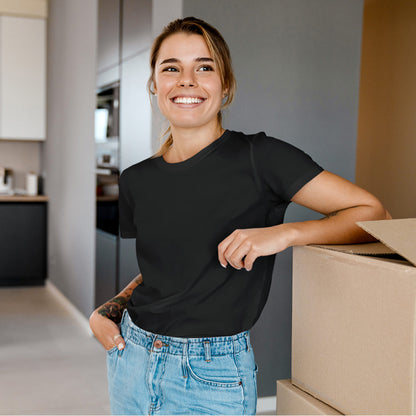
185, 359
125, 324
207, 350
247, 342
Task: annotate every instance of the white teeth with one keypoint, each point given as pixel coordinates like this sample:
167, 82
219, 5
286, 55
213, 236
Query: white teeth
187, 100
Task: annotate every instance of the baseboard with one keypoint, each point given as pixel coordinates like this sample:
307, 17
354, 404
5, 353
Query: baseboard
266, 404
69, 306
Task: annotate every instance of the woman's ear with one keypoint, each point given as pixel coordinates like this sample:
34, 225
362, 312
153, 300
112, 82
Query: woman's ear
153, 88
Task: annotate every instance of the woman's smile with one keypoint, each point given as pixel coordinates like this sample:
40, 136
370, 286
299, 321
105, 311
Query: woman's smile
187, 100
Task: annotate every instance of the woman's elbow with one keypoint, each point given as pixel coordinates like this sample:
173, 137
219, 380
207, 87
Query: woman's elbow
379, 212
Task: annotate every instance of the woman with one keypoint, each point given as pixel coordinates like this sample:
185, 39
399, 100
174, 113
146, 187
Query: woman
207, 213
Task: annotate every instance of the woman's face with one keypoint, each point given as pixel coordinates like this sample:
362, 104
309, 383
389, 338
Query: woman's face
187, 82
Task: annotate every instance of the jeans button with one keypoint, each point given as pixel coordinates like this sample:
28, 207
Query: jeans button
158, 343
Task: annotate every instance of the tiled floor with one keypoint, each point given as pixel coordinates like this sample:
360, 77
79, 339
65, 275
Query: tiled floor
49, 364
49, 361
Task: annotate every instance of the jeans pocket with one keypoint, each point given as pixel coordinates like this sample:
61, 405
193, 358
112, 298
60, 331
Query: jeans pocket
221, 371
111, 350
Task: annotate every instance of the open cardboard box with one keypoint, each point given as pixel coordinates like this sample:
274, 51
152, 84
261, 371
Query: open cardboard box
291, 400
354, 320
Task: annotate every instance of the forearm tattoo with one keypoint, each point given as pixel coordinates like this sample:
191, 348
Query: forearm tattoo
113, 309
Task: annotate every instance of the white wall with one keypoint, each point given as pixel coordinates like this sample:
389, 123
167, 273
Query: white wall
69, 154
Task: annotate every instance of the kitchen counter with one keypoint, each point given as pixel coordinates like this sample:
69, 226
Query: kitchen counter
23, 198
106, 198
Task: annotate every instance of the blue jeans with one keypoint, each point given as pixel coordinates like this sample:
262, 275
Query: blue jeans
158, 374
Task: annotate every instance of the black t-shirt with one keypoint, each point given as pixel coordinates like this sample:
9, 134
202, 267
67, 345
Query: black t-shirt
180, 212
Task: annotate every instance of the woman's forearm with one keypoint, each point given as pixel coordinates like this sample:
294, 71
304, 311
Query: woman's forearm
113, 309
337, 228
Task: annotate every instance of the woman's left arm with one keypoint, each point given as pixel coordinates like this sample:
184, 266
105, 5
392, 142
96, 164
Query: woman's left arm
342, 203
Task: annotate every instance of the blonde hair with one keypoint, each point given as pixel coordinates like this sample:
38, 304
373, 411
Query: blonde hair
218, 49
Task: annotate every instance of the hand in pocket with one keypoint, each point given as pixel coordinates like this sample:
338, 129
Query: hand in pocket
106, 331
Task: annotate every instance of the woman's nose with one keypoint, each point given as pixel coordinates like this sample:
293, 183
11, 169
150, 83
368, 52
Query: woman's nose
187, 80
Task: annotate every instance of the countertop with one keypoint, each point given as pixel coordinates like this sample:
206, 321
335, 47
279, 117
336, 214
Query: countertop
107, 198
23, 198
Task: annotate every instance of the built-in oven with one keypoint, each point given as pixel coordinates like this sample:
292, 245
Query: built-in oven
107, 151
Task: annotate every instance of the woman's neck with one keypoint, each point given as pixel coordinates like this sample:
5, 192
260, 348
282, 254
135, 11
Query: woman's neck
187, 142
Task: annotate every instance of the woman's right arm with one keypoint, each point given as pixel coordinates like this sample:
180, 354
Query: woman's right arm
105, 319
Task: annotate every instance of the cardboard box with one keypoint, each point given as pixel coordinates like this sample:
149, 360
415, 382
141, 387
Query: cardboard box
291, 400
354, 320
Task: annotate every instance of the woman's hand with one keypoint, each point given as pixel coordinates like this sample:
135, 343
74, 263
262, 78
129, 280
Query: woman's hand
106, 331
252, 243
104, 320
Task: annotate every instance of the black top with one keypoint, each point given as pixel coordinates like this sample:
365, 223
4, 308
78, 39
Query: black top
180, 212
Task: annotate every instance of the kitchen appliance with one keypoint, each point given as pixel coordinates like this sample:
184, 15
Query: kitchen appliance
6, 181
32, 184
107, 113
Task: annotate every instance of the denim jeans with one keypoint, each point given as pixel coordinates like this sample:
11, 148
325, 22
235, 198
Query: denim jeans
163, 375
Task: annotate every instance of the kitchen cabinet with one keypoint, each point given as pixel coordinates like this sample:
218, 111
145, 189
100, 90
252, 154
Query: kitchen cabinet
23, 242
106, 262
115, 261
137, 29
108, 50
128, 268
22, 78
115, 265
135, 111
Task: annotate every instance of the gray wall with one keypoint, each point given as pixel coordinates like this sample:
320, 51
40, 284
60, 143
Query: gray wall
68, 154
297, 67
163, 12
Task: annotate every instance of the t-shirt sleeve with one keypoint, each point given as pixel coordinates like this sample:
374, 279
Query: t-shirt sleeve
125, 209
282, 167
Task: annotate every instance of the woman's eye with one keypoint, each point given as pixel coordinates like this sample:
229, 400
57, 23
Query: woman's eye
206, 68
169, 69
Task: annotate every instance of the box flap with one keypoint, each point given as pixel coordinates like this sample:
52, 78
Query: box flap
366, 249
399, 235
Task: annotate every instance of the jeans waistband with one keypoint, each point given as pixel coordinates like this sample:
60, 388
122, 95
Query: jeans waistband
213, 346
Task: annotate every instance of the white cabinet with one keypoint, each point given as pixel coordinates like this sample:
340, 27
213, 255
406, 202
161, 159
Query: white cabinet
22, 78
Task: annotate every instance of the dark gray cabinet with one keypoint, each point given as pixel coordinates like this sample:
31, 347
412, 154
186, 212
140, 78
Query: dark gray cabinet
128, 267
23, 243
115, 265
106, 266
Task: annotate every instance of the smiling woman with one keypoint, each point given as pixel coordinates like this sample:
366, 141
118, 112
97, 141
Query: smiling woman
211, 50
207, 214
189, 92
